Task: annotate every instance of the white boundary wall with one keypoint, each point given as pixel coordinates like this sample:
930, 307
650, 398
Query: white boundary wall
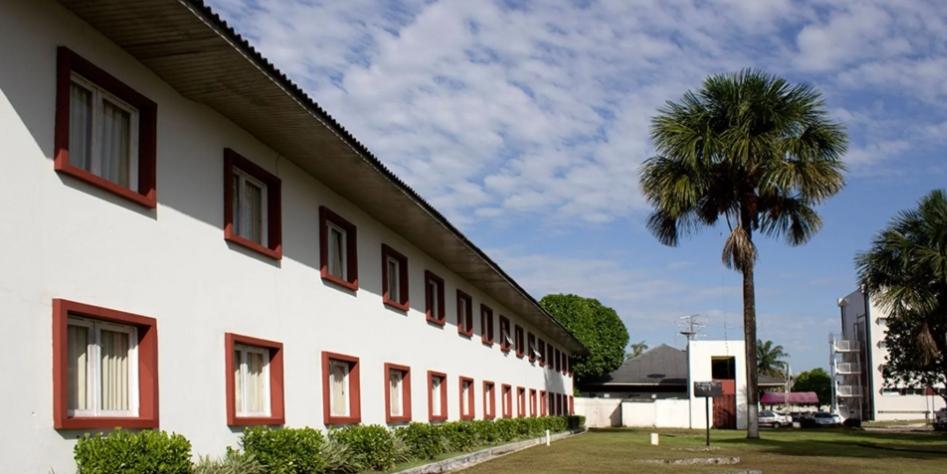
599, 412
667, 413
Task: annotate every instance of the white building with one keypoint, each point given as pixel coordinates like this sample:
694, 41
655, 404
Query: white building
858, 359
190, 243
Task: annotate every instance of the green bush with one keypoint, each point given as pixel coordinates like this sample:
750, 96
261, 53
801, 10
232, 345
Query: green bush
458, 435
486, 431
505, 429
422, 440
286, 450
372, 446
575, 422
148, 451
233, 463
339, 458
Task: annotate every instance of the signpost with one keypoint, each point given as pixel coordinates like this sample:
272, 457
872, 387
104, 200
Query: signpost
707, 390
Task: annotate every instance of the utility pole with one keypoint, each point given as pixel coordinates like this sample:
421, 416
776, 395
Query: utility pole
690, 325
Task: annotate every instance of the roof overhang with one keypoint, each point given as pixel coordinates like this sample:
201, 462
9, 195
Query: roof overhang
205, 60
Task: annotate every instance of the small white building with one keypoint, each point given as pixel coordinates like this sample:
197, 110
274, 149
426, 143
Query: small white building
190, 243
858, 359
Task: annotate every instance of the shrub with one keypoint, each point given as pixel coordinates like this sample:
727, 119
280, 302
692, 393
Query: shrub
459, 435
152, 452
575, 422
339, 459
372, 446
505, 429
233, 463
422, 440
286, 450
486, 431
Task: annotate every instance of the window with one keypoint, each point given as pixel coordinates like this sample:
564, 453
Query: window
486, 325
505, 340
541, 349
550, 357
105, 368
542, 403
571, 405
507, 400
394, 278
489, 401
338, 249
254, 376
341, 398
557, 361
434, 298
105, 131
251, 206
566, 364
520, 402
466, 386
532, 402
436, 396
464, 314
397, 393
518, 340
531, 346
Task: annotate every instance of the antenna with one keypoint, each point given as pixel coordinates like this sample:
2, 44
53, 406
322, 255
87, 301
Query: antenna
690, 325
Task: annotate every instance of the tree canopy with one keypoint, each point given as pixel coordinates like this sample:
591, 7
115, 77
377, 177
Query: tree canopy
637, 349
816, 380
905, 271
597, 326
770, 358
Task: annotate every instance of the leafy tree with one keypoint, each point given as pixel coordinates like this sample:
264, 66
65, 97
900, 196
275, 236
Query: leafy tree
906, 272
770, 358
754, 151
597, 326
637, 349
816, 380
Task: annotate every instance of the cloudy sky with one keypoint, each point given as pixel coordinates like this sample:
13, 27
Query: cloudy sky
526, 124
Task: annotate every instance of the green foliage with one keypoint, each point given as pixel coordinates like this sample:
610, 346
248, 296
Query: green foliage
770, 358
906, 272
575, 422
233, 463
423, 440
459, 435
148, 451
596, 326
505, 429
486, 431
371, 446
339, 459
815, 380
637, 349
285, 450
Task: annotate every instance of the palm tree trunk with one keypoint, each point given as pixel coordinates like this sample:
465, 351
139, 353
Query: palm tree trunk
749, 335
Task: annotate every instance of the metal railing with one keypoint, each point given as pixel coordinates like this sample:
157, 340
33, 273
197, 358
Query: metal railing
847, 368
848, 391
845, 345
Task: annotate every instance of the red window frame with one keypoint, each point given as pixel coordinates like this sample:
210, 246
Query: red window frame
431, 416
489, 400
542, 403
68, 62
541, 348
505, 335
554, 404
274, 226
464, 314
531, 346
147, 367
486, 324
571, 405
327, 216
532, 402
434, 315
518, 340
520, 402
401, 300
277, 414
405, 393
470, 398
355, 397
506, 394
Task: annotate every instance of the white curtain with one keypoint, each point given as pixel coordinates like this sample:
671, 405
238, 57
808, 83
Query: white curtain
395, 381
254, 203
116, 151
336, 252
394, 285
80, 126
339, 380
436, 396
114, 370
255, 383
238, 381
78, 367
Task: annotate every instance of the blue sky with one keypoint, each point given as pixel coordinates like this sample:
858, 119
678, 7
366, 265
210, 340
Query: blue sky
526, 123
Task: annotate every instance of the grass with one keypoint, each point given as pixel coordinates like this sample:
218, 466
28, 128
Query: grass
811, 451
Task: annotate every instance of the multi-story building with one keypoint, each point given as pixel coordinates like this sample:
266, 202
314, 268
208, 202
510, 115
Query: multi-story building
858, 356
191, 243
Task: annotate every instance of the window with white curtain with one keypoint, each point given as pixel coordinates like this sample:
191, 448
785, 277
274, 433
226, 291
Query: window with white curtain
393, 268
103, 133
395, 392
251, 375
339, 386
466, 407
437, 385
102, 368
338, 258
249, 207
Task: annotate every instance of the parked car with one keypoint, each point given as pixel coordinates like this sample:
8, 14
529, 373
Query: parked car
774, 419
940, 419
824, 419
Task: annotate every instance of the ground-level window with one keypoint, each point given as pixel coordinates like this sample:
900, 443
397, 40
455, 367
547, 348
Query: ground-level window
571, 405
506, 340
340, 389
104, 368
254, 381
542, 403
397, 393
437, 396
338, 249
489, 400
434, 298
464, 314
252, 206
466, 385
518, 340
532, 402
507, 400
520, 402
394, 279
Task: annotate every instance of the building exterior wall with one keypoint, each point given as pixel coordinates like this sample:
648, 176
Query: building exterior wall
65, 239
700, 355
599, 412
661, 413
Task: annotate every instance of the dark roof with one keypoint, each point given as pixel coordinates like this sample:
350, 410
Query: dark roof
769, 380
663, 365
195, 51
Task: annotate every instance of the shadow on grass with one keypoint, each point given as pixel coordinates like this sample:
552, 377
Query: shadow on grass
845, 443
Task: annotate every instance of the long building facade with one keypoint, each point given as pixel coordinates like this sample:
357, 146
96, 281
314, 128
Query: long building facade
191, 244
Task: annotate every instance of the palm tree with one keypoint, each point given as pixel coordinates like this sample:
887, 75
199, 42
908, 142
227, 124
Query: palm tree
637, 349
770, 358
906, 272
754, 150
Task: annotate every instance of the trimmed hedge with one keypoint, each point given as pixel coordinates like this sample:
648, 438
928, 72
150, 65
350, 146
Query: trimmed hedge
286, 450
148, 451
372, 446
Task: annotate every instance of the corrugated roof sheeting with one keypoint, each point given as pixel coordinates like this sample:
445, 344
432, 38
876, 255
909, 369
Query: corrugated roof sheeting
198, 54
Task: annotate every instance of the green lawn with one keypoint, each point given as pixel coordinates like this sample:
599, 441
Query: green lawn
833, 451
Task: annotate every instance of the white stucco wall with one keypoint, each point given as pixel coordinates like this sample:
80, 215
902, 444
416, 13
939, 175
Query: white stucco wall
65, 239
599, 412
700, 354
660, 413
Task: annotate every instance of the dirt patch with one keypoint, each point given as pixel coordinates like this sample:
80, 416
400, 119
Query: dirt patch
695, 461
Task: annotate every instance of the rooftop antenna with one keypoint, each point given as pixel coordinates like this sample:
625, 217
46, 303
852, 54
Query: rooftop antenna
690, 325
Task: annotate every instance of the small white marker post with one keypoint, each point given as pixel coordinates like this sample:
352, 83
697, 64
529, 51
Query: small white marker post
548, 440
654, 439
